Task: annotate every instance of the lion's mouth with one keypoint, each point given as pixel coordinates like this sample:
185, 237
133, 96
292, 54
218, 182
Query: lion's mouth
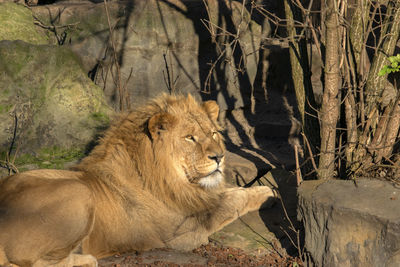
216, 171
211, 180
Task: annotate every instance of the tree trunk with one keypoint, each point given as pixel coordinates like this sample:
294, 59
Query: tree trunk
360, 24
379, 123
330, 103
389, 36
302, 81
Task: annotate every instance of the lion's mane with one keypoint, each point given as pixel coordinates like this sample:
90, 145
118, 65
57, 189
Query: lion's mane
126, 155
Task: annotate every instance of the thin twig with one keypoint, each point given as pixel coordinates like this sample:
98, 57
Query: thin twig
310, 151
298, 172
298, 247
120, 89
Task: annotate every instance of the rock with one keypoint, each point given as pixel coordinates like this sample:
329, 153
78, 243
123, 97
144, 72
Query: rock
243, 165
47, 103
12, 1
348, 224
17, 24
248, 233
239, 170
149, 35
273, 130
260, 232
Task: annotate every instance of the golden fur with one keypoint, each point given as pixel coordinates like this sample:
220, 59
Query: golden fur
154, 180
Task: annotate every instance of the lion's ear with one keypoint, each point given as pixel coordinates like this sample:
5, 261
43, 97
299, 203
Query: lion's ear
212, 109
160, 123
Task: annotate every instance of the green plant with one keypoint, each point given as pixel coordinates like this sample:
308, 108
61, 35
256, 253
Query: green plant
393, 67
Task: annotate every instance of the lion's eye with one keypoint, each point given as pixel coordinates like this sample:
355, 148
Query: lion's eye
190, 138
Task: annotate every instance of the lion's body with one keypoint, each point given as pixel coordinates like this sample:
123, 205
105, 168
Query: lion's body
154, 180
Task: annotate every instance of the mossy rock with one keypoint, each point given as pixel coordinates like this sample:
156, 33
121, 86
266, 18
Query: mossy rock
47, 101
17, 24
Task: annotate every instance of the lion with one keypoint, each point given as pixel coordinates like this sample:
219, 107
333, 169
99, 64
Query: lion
154, 180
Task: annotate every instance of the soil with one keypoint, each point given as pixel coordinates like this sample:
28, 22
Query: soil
211, 254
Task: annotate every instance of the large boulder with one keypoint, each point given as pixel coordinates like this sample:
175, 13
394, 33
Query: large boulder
149, 35
351, 223
46, 100
17, 24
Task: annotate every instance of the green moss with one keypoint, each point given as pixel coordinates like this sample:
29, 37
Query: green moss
5, 92
48, 158
17, 24
100, 117
5, 108
16, 56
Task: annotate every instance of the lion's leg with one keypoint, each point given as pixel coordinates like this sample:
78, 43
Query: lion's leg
239, 201
83, 260
234, 203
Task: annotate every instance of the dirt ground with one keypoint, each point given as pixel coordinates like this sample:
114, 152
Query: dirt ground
208, 255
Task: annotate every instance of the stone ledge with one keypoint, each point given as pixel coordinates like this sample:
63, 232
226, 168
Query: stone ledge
348, 224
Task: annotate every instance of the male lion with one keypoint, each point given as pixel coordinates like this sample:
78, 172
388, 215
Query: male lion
154, 180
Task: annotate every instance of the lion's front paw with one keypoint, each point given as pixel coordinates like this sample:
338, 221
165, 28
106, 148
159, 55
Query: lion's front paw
261, 197
271, 199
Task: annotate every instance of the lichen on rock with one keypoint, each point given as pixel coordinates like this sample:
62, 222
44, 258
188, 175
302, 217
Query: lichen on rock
46, 99
17, 24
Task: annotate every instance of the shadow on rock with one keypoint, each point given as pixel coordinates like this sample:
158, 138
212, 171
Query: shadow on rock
281, 218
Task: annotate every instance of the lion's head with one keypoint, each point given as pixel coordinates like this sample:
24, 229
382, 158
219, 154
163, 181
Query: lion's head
188, 133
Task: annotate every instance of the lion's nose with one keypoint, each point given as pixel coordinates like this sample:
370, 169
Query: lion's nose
216, 157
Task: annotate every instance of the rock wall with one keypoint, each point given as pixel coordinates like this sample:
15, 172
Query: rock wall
351, 224
149, 35
145, 33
